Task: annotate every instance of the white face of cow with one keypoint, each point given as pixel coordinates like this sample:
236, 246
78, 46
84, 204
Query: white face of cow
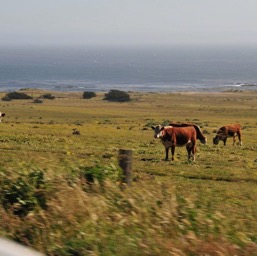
158, 131
1, 116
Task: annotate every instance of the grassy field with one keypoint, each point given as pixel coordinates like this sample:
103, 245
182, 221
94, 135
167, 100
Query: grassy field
206, 207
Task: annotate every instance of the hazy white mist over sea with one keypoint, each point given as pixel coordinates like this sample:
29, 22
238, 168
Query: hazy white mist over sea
131, 69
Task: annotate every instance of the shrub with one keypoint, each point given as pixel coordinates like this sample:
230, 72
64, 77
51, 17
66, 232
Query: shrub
37, 100
116, 95
98, 174
23, 194
48, 96
17, 95
94, 175
6, 98
89, 95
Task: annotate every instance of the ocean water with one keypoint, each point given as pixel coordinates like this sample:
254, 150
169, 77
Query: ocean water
130, 69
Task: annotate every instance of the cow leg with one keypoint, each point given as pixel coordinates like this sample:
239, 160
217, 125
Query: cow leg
239, 138
224, 141
172, 152
234, 139
193, 152
167, 154
189, 149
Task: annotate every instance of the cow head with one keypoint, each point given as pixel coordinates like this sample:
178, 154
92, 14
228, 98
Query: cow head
1, 116
216, 140
204, 140
158, 131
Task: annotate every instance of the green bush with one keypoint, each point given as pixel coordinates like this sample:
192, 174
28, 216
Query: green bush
23, 194
99, 174
89, 176
48, 96
37, 100
116, 95
6, 98
89, 95
17, 96
93, 174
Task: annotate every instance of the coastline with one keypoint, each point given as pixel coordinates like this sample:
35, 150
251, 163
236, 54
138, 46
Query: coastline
38, 92
242, 87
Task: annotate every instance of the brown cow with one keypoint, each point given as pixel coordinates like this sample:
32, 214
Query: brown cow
176, 136
1, 116
232, 130
199, 134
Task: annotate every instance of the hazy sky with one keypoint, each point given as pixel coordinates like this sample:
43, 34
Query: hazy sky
128, 22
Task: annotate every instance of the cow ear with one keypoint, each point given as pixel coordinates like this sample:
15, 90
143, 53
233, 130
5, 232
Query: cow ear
162, 128
153, 127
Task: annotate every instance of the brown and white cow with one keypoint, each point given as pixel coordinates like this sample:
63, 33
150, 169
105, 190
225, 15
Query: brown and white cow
226, 131
177, 136
1, 116
199, 134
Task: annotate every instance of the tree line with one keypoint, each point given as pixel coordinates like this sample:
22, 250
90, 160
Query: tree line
113, 95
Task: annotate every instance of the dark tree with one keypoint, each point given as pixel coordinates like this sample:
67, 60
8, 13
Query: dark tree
116, 95
6, 98
17, 95
48, 96
89, 95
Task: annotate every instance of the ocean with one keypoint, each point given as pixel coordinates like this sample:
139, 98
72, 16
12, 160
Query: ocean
149, 69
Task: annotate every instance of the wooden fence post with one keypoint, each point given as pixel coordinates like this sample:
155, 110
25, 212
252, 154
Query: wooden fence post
125, 162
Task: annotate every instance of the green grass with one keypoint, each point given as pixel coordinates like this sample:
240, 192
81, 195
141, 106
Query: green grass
206, 207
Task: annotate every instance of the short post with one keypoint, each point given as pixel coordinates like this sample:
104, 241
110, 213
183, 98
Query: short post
125, 162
